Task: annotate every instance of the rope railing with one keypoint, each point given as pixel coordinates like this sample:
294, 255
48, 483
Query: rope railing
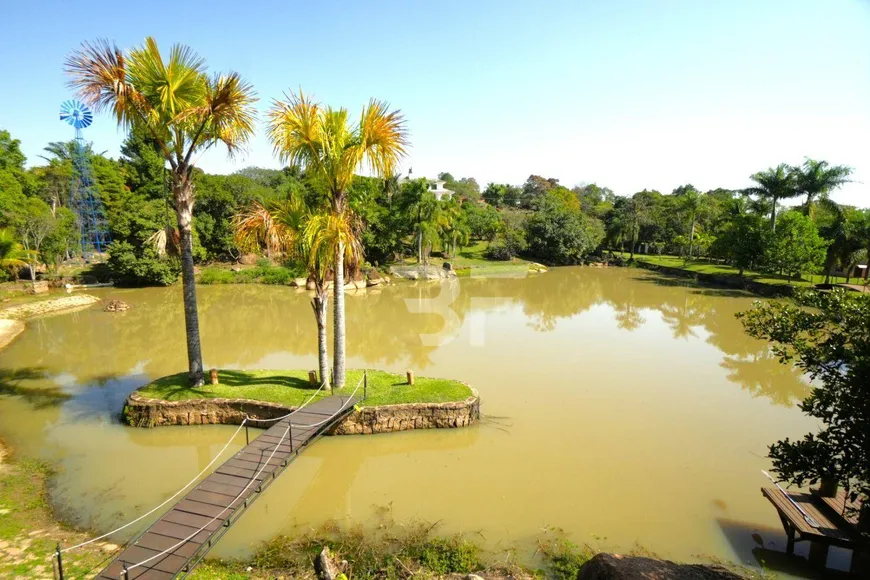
172, 497
126, 569
188, 484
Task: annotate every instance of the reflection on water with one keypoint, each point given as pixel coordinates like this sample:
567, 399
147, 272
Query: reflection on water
635, 408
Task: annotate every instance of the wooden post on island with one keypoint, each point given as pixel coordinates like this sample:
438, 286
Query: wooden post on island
410, 377
213, 376
312, 378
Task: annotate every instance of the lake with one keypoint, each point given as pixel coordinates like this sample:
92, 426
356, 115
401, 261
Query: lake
622, 407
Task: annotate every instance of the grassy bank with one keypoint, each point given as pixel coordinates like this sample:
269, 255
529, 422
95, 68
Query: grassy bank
28, 530
704, 267
262, 273
291, 388
471, 261
388, 550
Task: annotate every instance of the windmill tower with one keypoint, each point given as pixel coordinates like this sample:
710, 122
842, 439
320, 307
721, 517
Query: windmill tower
84, 197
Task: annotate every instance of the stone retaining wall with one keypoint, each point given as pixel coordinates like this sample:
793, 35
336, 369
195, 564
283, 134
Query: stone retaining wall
140, 411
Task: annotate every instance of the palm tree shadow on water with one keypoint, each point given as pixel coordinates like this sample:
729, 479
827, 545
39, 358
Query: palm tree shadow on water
19, 383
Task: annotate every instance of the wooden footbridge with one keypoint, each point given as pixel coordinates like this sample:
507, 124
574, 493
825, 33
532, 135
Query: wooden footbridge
182, 536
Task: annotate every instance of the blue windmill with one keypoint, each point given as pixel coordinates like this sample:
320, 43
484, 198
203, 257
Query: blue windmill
84, 196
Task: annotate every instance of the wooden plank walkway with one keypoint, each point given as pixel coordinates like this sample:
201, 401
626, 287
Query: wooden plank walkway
195, 524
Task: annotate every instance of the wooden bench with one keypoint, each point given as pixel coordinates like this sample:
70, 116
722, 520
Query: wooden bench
834, 527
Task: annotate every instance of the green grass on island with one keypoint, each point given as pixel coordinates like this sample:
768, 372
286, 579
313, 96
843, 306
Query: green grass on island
291, 388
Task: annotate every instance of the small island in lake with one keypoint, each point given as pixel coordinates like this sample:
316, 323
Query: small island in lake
387, 401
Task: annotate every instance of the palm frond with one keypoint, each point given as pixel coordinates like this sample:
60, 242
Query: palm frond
98, 74
383, 137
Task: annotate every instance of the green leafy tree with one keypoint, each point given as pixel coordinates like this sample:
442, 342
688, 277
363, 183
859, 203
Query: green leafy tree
559, 233
34, 223
185, 111
484, 221
143, 164
795, 245
63, 239
534, 189
827, 335
743, 241
328, 146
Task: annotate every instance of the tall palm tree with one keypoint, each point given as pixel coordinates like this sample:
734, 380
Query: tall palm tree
185, 111
457, 232
817, 179
331, 148
692, 203
283, 226
774, 184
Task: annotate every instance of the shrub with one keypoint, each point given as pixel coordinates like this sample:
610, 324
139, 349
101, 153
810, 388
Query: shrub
141, 268
498, 251
564, 558
217, 276
449, 556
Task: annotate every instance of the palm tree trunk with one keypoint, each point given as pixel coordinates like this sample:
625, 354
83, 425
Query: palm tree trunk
319, 305
420, 246
773, 216
692, 238
338, 349
184, 210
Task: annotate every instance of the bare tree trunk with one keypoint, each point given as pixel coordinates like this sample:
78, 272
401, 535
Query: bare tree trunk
319, 305
184, 212
338, 349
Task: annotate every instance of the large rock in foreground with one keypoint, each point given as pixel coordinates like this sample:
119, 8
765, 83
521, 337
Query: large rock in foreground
616, 567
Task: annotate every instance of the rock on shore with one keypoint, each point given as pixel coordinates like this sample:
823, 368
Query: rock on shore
616, 567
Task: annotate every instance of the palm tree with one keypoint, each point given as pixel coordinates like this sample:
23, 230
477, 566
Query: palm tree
283, 226
817, 179
774, 184
331, 148
12, 254
692, 203
457, 232
185, 111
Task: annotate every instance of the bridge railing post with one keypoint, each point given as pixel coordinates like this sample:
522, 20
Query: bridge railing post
247, 439
290, 431
59, 555
125, 574
365, 384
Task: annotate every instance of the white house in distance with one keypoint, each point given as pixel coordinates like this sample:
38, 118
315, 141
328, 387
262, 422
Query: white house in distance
436, 186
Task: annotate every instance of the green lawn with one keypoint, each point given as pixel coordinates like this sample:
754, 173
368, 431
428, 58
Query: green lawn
705, 267
470, 257
291, 388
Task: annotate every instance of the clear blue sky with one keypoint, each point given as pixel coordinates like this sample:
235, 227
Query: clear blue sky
626, 93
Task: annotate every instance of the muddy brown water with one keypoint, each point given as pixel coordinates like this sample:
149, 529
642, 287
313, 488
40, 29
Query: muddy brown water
625, 408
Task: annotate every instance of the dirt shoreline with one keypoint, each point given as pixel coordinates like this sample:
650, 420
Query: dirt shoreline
30, 309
